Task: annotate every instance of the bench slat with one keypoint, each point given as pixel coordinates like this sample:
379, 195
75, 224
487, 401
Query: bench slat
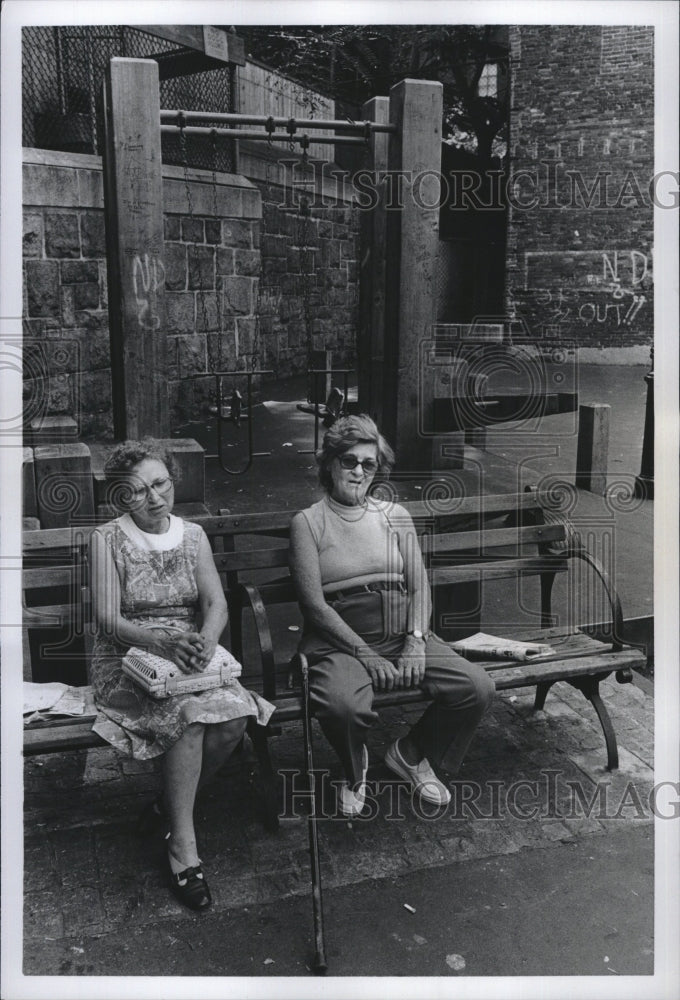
255, 559
482, 541
51, 576
497, 503
528, 674
53, 738
274, 523
496, 570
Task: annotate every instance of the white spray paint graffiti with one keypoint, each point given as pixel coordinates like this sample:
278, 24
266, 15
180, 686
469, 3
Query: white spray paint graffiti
611, 282
148, 276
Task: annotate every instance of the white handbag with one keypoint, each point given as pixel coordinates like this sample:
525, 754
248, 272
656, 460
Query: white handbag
161, 678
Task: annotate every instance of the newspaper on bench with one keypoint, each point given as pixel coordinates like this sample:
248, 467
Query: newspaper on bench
482, 646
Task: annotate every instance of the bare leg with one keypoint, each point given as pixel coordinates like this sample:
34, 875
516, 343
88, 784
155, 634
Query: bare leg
219, 742
181, 770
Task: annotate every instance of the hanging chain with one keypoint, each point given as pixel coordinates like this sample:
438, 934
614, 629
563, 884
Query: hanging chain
187, 185
306, 254
219, 279
257, 333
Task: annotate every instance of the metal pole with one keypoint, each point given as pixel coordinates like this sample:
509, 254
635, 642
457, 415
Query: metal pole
319, 964
235, 133
238, 119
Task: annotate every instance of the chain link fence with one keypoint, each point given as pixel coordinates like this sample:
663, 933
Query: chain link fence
62, 74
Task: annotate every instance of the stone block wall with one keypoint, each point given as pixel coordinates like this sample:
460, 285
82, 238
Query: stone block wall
580, 231
247, 283
66, 331
310, 292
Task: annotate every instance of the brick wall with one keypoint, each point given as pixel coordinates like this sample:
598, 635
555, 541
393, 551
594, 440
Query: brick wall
246, 283
580, 234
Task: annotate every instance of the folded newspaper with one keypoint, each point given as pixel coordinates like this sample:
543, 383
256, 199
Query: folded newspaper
481, 646
48, 699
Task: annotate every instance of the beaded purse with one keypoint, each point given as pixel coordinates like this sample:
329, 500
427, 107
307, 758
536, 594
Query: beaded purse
161, 678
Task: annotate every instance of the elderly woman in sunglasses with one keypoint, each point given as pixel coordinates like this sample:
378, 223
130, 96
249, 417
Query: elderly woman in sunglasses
155, 586
366, 603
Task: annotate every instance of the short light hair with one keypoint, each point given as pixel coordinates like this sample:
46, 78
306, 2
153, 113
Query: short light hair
124, 458
343, 435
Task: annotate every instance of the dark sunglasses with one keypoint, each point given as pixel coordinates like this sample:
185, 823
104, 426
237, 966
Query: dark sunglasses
368, 465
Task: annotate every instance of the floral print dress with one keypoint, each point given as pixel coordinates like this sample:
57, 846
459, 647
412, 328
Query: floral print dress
158, 588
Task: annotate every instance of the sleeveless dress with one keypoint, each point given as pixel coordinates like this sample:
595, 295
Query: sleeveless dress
158, 587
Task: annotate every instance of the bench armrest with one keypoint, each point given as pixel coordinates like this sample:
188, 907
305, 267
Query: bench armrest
248, 594
573, 548
610, 590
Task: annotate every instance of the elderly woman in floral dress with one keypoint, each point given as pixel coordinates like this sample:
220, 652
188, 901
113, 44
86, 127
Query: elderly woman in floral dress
155, 586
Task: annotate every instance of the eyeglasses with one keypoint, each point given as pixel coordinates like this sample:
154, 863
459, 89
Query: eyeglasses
161, 486
368, 465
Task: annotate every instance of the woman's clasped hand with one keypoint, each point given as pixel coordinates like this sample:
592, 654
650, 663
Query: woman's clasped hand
190, 651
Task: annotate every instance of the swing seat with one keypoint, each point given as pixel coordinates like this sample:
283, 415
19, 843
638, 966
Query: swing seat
328, 411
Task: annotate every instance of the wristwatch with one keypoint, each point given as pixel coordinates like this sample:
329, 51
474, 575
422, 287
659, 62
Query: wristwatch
416, 633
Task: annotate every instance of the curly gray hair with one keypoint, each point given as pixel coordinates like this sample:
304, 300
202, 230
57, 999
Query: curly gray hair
124, 458
346, 432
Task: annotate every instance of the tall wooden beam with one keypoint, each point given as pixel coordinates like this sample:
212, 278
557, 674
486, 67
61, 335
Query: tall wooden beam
412, 243
134, 238
371, 339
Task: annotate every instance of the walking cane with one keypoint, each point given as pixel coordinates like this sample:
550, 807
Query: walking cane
319, 965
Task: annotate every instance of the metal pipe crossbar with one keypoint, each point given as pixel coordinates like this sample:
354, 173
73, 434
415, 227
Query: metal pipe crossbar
233, 118
234, 133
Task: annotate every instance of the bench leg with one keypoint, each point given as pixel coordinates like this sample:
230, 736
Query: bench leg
542, 689
548, 619
320, 965
590, 687
269, 786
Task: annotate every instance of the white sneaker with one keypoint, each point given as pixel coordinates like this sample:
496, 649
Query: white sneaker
351, 803
420, 776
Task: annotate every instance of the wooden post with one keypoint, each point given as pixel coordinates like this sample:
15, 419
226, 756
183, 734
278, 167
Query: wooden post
592, 451
412, 245
320, 385
134, 238
371, 339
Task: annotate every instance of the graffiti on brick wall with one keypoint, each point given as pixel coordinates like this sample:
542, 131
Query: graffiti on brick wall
607, 288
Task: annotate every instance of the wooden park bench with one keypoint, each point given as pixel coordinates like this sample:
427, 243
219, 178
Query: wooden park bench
501, 537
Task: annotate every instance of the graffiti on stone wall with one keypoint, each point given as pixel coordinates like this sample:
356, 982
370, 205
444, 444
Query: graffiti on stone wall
609, 288
148, 277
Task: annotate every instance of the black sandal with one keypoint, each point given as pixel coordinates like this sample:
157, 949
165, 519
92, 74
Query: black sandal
190, 887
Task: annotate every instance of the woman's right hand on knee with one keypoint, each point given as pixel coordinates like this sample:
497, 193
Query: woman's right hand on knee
384, 675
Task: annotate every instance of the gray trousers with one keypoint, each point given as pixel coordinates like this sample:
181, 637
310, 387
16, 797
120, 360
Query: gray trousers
341, 692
